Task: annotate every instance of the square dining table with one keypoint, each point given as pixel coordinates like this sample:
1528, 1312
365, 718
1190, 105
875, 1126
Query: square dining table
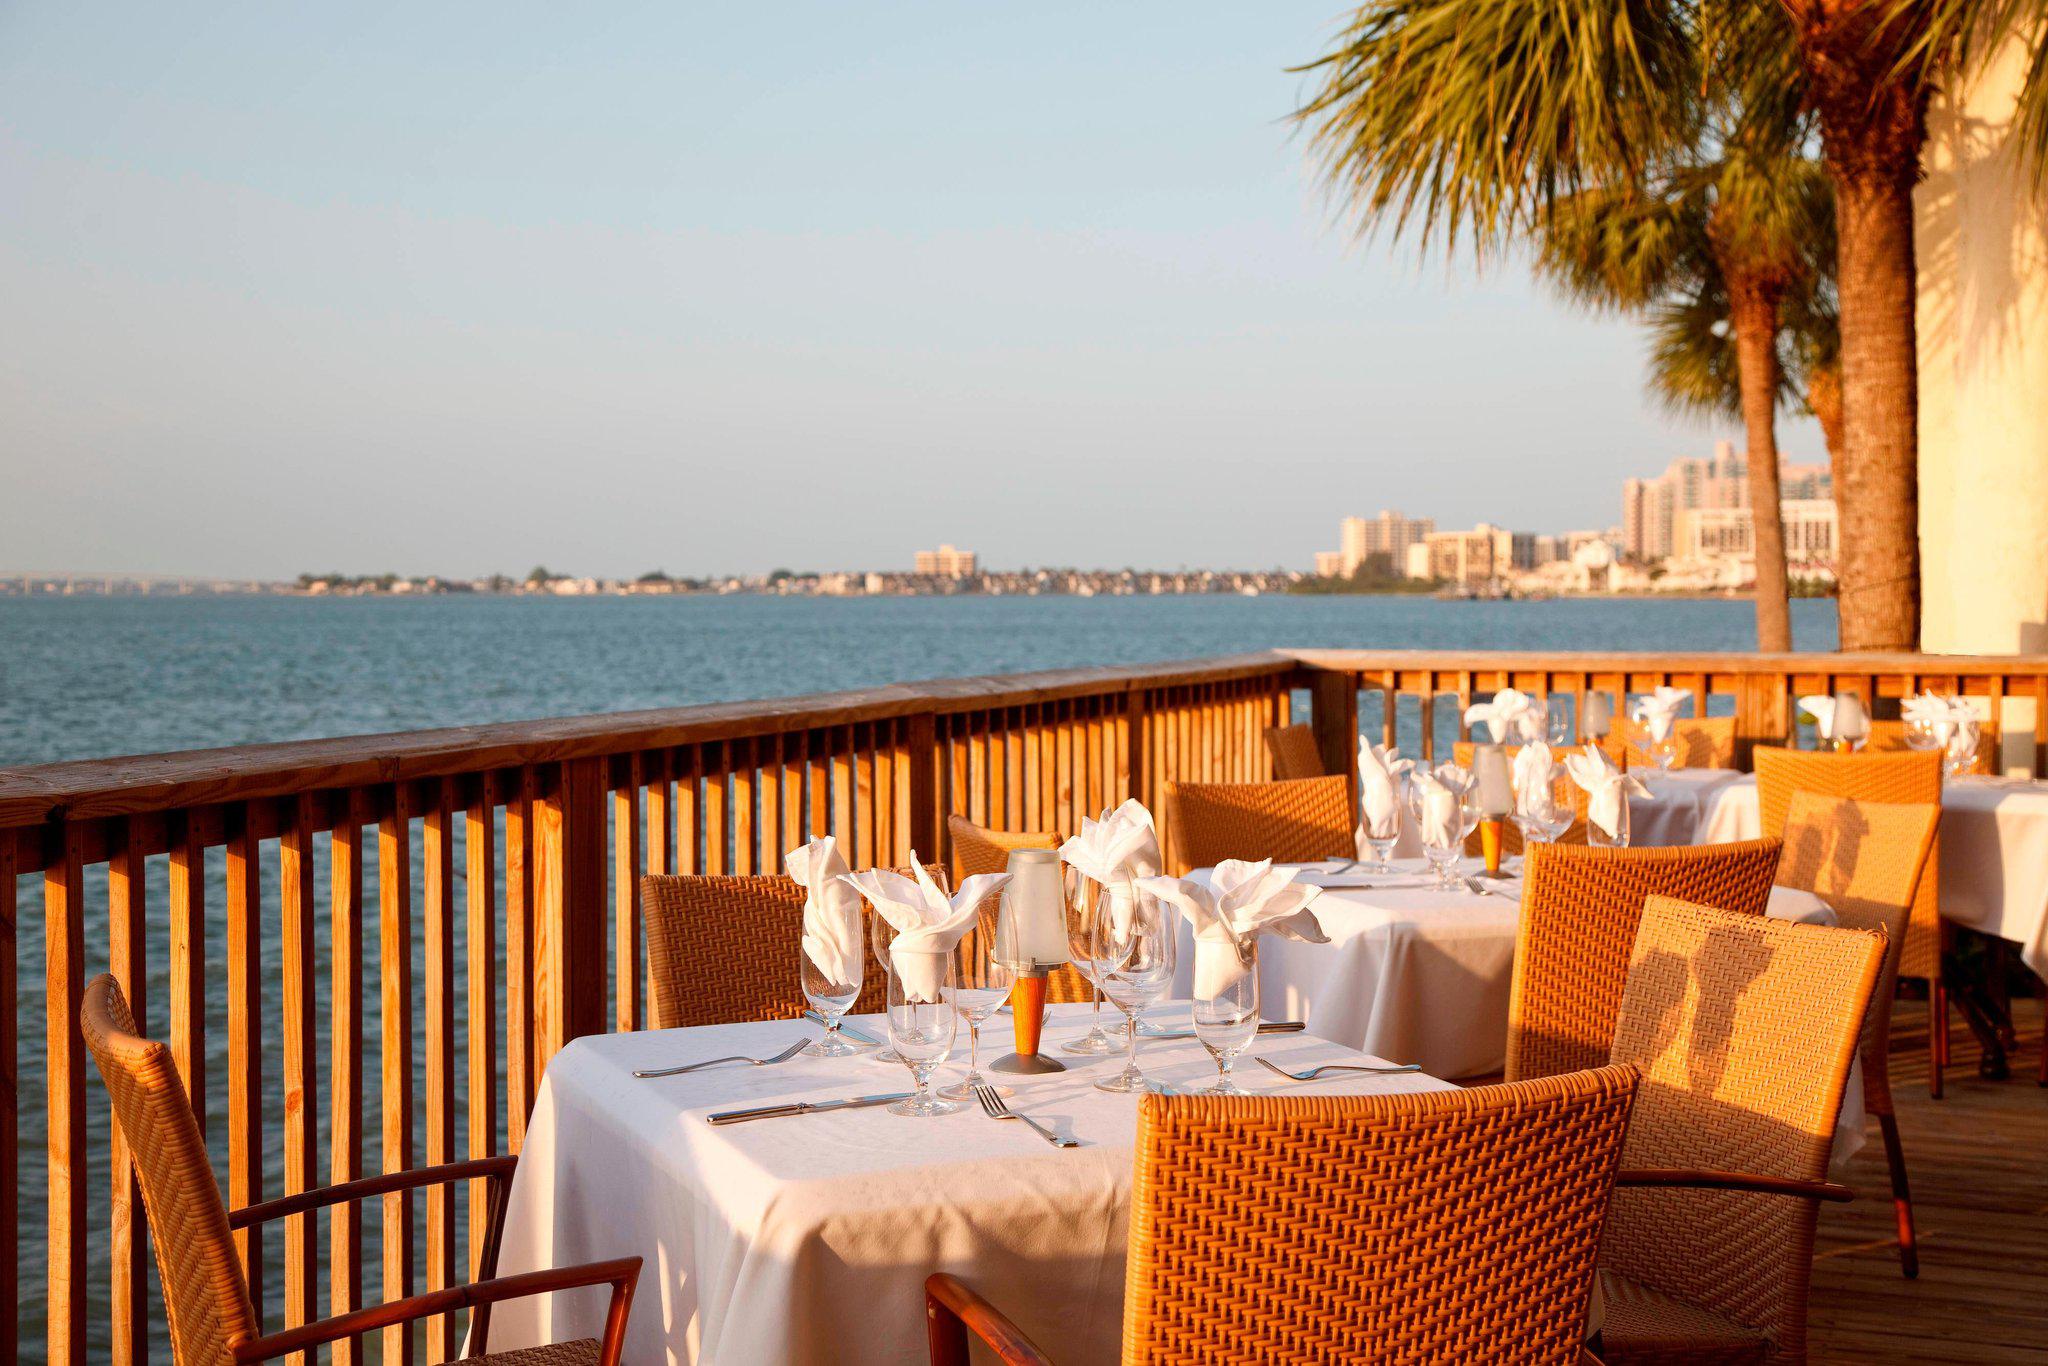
808, 1239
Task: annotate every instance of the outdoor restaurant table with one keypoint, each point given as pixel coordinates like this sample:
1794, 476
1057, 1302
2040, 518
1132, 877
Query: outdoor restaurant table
1994, 853
1679, 802
1419, 975
808, 1239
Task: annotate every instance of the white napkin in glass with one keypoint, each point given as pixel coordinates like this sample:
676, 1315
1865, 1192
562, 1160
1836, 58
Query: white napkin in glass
1511, 716
1950, 720
1821, 707
1241, 901
1657, 712
1121, 846
1535, 772
1607, 788
1441, 795
928, 924
1380, 809
832, 928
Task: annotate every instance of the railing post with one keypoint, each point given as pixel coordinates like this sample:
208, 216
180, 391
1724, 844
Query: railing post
1760, 715
569, 909
923, 745
1333, 710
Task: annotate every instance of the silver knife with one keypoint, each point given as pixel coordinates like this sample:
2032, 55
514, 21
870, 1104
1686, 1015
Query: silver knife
849, 1030
805, 1107
1265, 1027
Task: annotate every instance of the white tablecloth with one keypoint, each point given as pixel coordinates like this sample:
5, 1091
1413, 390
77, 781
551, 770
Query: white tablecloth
808, 1239
1679, 802
1418, 975
1994, 853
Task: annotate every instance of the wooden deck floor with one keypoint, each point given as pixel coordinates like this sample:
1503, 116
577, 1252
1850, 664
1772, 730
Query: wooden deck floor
1978, 1162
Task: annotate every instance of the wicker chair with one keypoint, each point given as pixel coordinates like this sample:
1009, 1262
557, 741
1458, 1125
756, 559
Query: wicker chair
1864, 859
206, 1299
1290, 822
1744, 1028
1909, 778
1580, 909
976, 850
1707, 742
1295, 752
1428, 1227
1888, 737
721, 950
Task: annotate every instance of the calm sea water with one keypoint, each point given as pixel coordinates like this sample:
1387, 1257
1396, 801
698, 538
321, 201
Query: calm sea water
86, 677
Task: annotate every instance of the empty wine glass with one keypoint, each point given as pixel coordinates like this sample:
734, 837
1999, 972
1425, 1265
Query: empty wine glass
880, 932
1443, 842
1665, 751
1133, 954
1558, 725
924, 1022
832, 999
1226, 1022
1086, 900
982, 984
1543, 804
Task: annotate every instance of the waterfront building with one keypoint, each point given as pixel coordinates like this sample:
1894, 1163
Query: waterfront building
947, 562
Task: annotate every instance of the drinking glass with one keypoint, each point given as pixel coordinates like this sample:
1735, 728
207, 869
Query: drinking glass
1920, 734
1559, 727
1134, 964
1543, 807
1086, 899
880, 932
1619, 839
982, 984
1444, 857
1665, 751
1227, 1021
831, 1000
923, 1033
1382, 838
1961, 755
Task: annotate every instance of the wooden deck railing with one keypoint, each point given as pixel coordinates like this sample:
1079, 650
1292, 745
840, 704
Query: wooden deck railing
488, 879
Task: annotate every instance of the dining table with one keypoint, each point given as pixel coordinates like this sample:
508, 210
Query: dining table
1420, 974
808, 1238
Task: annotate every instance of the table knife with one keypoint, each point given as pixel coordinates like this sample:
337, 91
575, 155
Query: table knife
846, 1027
805, 1107
1265, 1027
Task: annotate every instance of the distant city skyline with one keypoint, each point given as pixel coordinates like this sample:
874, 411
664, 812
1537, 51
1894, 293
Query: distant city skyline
442, 290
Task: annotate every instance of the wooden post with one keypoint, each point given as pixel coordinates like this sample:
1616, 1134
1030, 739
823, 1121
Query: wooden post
569, 909
1333, 708
1760, 715
924, 787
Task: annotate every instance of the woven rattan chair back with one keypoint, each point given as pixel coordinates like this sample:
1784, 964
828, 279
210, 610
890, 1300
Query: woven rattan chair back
1906, 778
1744, 1028
1290, 822
1429, 1227
1865, 860
1705, 742
721, 950
1294, 752
1889, 737
205, 1298
1580, 909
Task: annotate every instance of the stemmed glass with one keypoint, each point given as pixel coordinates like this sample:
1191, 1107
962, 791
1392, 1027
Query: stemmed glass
982, 985
831, 1000
1444, 856
1382, 836
1134, 965
1665, 751
1086, 901
1543, 807
1226, 1023
880, 931
1559, 728
923, 1033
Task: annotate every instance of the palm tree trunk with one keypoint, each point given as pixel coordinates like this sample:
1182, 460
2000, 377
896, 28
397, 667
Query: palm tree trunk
1753, 313
1824, 400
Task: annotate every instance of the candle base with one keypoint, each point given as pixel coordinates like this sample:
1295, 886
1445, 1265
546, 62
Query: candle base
1027, 1016
1026, 1064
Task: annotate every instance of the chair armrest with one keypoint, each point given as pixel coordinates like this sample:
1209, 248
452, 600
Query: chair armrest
621, 1275
482, 1168
1737, 1181
952, 1309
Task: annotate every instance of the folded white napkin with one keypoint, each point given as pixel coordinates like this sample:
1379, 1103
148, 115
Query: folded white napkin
928, 924
1657, 711
1511, 716
1821, 707
1535, 774
1438, 817
1379, 767
1950, 720
1241, 901
1113, 851
1607, 788
832, 927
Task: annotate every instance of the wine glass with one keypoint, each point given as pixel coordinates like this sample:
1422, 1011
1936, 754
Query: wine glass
1558, 725
880, 932
1543, 805
1133, 961
1443, 856
923, 1030
1665, 751
832, 999
1086, 900
982, 984
1383, 835
1226, 1022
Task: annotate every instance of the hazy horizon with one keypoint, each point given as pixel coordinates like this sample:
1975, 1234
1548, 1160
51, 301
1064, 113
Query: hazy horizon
456, 292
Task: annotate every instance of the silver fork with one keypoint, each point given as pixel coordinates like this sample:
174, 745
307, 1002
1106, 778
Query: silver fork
784, 1056
1315, 1072
993, 1105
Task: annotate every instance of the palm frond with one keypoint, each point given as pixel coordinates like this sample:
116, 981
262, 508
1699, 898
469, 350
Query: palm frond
1941, 40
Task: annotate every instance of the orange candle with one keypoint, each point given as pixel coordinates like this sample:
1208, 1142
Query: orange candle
1027, 1012
1489, 842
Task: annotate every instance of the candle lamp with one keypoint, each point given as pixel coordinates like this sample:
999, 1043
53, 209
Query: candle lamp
1597, 716
1031, 940
1852, 722
1495, 792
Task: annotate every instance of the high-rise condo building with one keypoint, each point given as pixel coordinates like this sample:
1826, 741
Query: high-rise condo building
946, 563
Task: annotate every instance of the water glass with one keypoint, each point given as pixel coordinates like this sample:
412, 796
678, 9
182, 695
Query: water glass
1543, 807
1086, 899
1384, 835
1132, 955
982, 984
1228, 1020
923, 1032
1665, 752
1599, 838
831, 999
1559, 727
1443, 857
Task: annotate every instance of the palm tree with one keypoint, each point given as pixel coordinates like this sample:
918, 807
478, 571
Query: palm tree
1471, 117
1725, 255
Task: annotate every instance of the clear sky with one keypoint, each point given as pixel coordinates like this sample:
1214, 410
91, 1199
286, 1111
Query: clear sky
439, 287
